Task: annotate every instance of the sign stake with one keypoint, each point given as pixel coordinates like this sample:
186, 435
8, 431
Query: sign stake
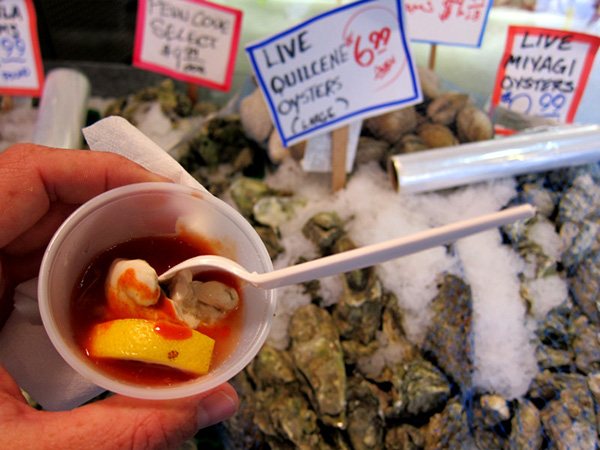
432, 52
339, 144
192, 92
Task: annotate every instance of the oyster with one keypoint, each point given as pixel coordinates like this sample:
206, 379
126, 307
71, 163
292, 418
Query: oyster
245, 192
447, 429
357, 314
436, 135
391, 126
317, 353
173, 103
409, 143
370, 149
270, 238
569, 419
431, 83
472, 124
585, 344
255, 117
526, 427
420, 387
445, 107
365, 419
323, 229
284, 415
219, 151
404, 437
275, 210
271, 367
585, 286
449, 340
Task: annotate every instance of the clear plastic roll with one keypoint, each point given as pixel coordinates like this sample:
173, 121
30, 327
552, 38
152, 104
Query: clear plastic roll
528, 152
63, 109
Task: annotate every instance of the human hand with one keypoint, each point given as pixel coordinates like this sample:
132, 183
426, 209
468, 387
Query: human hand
39, 188
113, 423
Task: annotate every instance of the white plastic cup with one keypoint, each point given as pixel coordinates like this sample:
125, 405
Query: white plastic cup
142, 210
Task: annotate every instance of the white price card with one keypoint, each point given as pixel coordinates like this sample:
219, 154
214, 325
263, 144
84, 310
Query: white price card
451, 22
21, 70
190, 40
543, 71
344, 65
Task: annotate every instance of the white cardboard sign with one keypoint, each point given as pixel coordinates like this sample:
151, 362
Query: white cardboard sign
344, 65
452, 22
190, 40
21, 70
543, 71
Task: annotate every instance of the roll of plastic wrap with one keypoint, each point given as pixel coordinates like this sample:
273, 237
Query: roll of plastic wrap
528, 152
63, 109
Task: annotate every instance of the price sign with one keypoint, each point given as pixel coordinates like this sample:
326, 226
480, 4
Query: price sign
339, 67
543, 72
453, 22
21, 70
190, 40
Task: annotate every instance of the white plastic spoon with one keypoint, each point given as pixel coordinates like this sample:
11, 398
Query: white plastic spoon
357, 258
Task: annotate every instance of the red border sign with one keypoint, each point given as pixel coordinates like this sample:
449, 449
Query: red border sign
21, 69
543, 71
191, 40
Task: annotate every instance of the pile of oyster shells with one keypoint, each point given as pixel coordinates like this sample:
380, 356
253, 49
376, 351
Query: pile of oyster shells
314, 394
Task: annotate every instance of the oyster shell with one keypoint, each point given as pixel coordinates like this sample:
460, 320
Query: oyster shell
409, 143
317, 353
431, 83
391, 126
449, 340
365, 422
445, 107
284, 415
323, 229
473, 124
585, 285
569, 419
420, 387
357, 314
255, 117
370, 149
586, 345
404, 437
526, 427
448, 429
436, 135
246, 192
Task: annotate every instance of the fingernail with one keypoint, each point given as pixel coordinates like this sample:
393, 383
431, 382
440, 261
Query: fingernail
215, 408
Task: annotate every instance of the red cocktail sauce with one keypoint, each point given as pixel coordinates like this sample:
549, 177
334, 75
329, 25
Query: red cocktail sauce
88, 306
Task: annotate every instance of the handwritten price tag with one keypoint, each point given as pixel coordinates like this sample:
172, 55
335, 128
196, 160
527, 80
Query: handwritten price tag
21, 70
344, 65
190, 40
543, 72
453, 22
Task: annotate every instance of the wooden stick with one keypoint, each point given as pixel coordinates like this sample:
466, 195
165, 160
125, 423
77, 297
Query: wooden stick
7, 103
432, 56
339, 145
192, 91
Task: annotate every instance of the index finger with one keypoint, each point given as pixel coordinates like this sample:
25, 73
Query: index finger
33, 176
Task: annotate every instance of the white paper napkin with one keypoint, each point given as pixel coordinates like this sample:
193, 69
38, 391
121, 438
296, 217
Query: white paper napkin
26, 352
115, 134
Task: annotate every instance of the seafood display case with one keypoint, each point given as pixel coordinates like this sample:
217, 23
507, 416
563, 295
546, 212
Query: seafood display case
489, 342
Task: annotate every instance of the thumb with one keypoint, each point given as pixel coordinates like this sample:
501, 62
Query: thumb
124, 422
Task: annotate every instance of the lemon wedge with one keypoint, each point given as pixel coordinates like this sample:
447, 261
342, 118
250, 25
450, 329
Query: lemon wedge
152, 341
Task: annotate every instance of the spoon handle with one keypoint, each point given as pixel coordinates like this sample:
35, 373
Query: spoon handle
370, 255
